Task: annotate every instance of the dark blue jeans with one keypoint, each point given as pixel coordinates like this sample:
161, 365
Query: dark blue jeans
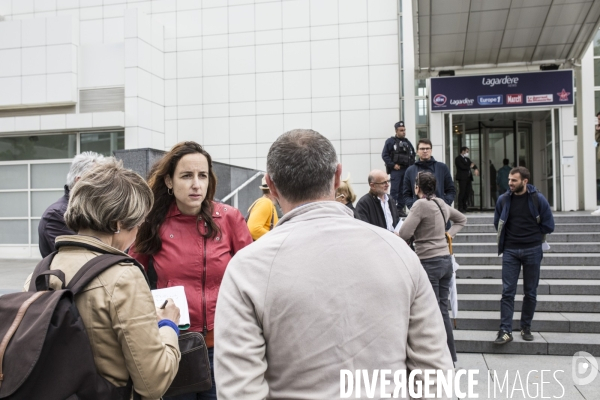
397, 178
210, 394
512, 259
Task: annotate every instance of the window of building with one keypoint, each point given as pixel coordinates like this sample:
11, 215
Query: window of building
102, 142
38, 147
34, 170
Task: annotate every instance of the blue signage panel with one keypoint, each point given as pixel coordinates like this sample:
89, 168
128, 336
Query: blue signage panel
531, 89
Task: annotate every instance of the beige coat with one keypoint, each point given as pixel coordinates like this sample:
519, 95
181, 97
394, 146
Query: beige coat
320, 293
120, 318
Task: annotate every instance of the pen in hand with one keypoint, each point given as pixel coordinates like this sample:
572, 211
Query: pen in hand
164, 304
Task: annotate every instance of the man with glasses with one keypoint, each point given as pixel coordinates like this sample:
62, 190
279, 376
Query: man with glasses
445, 186
398, 154
377, 207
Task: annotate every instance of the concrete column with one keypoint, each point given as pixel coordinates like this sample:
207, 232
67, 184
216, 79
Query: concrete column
408, 57
586, 151
568, 156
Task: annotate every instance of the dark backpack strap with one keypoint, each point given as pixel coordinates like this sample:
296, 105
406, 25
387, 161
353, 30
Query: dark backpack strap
42, 266
94, 267
42, 283
272, 216
250, 209
536, 204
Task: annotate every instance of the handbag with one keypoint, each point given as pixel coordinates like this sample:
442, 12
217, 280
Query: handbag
448, 237
193, 375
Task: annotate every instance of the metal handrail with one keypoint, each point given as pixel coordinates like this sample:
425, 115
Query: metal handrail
234, 194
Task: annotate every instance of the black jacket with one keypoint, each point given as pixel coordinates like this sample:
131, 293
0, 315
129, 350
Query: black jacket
52, 224
388, 150
368, 209
444, 184
463, 168
351, 206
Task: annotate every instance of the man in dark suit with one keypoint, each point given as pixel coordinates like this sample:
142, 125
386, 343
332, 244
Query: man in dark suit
377, 207
464, 177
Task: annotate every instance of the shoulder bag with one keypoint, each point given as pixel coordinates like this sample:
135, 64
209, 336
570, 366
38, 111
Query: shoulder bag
193, 375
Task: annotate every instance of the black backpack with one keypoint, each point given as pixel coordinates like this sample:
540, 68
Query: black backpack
45, 352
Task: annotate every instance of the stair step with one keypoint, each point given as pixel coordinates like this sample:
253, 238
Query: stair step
549, 259
555, 303
546, 286
542, 321
476, 248
558, 219
570, 237
560, 228
551, 343
546, 272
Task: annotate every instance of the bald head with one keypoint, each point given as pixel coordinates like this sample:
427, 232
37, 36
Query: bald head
377, 175
378, 183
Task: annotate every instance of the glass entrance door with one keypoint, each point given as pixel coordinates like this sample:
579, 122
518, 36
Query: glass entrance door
489, 146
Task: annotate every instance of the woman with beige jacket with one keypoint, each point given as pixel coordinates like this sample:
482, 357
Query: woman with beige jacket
130, 338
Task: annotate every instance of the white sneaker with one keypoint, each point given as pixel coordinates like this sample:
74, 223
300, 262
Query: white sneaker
597, 212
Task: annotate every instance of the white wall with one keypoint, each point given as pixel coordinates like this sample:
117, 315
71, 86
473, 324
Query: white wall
102, 65
238, 73
38, 62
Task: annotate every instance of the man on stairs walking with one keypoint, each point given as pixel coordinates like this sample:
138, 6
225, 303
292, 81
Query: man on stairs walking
522, 218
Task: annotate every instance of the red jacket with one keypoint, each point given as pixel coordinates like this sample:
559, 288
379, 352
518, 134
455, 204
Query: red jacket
196, 263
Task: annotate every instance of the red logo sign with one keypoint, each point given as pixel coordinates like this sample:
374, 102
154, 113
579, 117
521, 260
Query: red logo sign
564, 95
514, 99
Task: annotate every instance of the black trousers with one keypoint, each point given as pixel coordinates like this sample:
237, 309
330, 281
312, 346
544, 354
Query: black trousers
464, 188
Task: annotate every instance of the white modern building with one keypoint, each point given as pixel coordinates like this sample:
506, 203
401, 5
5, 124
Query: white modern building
104, 75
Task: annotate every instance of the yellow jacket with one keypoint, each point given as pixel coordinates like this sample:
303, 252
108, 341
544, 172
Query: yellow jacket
259, 221
118, 312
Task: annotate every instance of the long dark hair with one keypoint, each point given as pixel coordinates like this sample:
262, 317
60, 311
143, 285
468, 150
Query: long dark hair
426, 182
148, 238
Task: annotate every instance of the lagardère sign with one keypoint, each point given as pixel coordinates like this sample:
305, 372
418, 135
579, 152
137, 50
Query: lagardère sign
531, 89
507, 80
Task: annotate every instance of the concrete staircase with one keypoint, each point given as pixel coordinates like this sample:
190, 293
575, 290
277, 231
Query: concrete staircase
567, 317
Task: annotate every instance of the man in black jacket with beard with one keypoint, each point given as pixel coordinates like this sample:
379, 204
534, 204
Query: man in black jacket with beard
444, 185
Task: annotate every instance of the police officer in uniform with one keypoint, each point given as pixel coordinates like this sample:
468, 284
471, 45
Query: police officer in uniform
398, 154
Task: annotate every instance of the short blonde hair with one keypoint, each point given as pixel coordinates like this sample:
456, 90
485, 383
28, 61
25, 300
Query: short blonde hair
346, 189
108, 193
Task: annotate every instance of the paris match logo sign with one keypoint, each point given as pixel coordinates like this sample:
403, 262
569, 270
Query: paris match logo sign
514, 99
563, 96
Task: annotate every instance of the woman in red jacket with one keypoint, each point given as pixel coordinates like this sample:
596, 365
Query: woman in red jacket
189, 238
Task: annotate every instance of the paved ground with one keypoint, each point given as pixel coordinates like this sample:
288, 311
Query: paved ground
14, 272
517, 376
524, 375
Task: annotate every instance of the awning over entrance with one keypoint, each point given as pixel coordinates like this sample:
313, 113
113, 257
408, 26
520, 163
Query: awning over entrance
451, 34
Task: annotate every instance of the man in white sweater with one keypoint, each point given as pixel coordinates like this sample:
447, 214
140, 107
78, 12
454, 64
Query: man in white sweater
321, 293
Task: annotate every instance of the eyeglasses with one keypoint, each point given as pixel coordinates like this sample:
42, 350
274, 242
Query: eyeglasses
340, 196
424, 149
382, 183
